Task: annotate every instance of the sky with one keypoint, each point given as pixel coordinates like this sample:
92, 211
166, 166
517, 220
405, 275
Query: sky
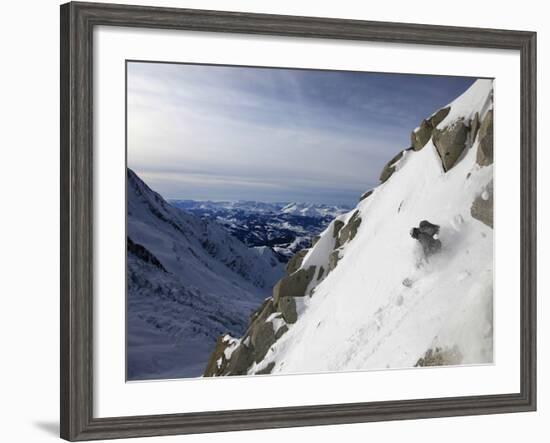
267, 134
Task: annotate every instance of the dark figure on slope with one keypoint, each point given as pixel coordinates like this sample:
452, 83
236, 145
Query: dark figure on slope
427, 235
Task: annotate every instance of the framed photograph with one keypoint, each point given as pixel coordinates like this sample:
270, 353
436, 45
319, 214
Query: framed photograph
272, 221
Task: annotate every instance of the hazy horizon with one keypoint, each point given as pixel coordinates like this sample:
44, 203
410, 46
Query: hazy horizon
220, 133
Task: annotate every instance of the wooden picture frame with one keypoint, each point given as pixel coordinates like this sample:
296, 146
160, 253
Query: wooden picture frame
77, 23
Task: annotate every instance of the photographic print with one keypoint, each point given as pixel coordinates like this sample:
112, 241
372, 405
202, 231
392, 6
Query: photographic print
287, 221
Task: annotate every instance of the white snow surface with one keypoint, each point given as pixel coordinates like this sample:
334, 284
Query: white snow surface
384, 305
478, 98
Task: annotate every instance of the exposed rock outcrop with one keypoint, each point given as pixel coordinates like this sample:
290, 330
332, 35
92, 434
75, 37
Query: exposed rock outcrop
421, 135
389, 168
333, 259
287, 307
314, 240
216, 357
485, 147
296, 261
240, 361
337, 225
293, 285
349, 231
482, 207
450, 142
267, 369
262, 337
440, 357
366, 195
474, 127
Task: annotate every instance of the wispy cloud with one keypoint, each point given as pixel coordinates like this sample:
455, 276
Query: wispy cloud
272, 134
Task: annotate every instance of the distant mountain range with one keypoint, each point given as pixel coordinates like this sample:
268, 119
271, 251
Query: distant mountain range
285, 227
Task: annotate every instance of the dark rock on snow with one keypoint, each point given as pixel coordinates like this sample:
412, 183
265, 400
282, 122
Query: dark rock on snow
450, 143
212, 365
262, 337
389, 168
349, 231
333, 259
482, 206
287, 307
485, 148
337, 226
296, 261
267, 369
293, 285
422, 135
440, 357
365, 195
241, 359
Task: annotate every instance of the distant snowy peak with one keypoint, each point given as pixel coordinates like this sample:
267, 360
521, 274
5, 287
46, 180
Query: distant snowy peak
364, 296
314, 210
257, 207
242, 205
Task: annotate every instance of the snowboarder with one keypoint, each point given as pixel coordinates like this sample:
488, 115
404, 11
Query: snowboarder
427, 235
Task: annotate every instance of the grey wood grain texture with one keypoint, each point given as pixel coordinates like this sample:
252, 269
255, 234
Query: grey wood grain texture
77, 24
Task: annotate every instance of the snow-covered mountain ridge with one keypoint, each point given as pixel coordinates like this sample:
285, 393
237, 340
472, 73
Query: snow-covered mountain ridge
364, 296
188, 280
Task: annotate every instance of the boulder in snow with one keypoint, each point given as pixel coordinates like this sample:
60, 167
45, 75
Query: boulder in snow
293, 285
485, 146
333, 259
314, 240
296, 261
366, 195
474, 127
267, 369
349, 231
264, 311
389, 168
421, 135
216, 362
482, 207
262, 337
450, 142
338, 224
241, 359
440, 357
287, 307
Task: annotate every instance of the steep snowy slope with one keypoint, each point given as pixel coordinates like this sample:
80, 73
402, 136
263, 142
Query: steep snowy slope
364, 296
188, 281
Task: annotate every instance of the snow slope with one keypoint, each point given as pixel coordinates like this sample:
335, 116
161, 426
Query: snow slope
188, 281
384, 305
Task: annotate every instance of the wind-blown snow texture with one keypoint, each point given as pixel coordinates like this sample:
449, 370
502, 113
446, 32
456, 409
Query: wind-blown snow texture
384, 305
188, 281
